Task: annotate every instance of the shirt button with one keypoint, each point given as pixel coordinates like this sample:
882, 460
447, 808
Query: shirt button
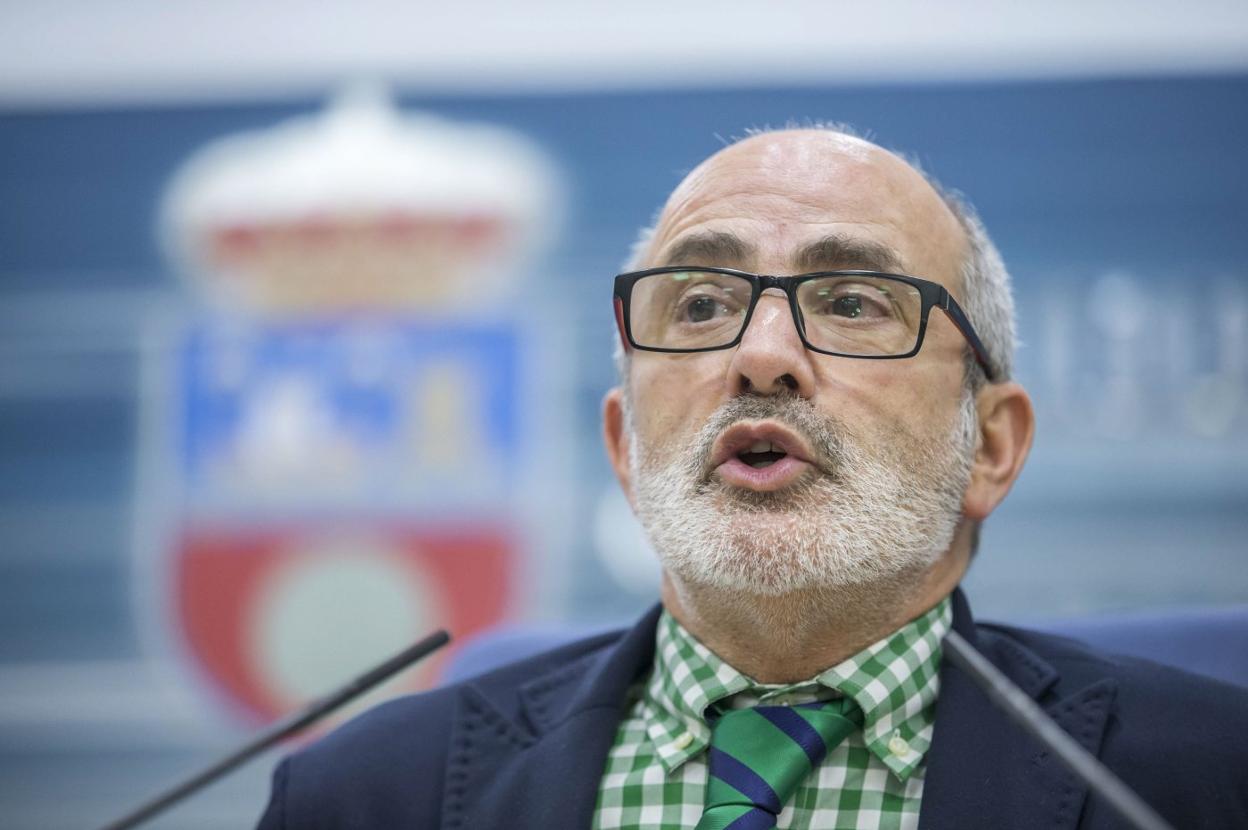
898, 745
683, 740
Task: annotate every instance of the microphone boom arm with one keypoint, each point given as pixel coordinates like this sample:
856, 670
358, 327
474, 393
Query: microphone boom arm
281, 730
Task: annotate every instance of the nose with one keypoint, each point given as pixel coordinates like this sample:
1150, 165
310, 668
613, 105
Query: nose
770, 358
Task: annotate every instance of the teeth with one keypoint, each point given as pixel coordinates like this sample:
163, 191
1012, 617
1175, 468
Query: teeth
760, 446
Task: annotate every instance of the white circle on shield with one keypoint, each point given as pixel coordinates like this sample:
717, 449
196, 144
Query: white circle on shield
334, 610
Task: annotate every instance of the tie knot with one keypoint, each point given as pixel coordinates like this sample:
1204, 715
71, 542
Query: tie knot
759, 756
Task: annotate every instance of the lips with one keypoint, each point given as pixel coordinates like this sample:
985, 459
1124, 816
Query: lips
762, 457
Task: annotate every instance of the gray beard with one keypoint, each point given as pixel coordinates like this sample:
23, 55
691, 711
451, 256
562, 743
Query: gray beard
872, 510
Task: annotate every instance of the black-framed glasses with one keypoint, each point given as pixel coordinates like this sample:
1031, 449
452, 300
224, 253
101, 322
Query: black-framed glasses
864, 314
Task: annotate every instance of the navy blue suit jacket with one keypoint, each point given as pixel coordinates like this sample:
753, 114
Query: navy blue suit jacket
524, 746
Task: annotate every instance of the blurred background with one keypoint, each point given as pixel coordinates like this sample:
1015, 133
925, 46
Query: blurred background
305, 324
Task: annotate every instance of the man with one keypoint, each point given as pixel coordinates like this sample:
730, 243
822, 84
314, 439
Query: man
811, 457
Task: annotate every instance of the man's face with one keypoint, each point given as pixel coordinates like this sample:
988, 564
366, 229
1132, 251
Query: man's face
875, 454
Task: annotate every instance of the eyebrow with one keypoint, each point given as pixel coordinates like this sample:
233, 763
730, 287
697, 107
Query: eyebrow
710, 248
837, 251
832, 252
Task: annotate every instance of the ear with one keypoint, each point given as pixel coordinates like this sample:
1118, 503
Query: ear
1006, 427
615, 436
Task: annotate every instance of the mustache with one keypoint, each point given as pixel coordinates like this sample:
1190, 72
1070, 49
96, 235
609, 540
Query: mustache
824, 434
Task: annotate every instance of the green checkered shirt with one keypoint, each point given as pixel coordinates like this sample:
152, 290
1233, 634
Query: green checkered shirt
656, 773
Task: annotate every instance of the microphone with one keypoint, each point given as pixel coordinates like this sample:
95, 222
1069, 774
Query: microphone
1015, 703
283, 729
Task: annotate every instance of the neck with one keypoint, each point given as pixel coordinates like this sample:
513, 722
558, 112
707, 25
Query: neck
793, 637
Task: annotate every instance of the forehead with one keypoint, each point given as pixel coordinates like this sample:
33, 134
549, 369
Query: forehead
779, 193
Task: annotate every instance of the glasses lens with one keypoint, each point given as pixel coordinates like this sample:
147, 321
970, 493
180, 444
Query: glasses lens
688, 309
863, 316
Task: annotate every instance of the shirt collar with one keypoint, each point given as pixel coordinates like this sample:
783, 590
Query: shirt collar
894, 680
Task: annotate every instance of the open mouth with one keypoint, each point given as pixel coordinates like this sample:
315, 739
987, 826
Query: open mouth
761, 454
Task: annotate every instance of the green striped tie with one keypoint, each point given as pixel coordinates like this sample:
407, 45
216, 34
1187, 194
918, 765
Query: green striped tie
758, 757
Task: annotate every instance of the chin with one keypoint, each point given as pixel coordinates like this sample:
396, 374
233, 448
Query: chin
774, 556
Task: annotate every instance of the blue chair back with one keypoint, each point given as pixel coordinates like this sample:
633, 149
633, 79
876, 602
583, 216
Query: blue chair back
1208, 641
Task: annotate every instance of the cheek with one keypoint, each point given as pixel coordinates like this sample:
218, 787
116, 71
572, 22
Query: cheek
886, 397
676, 394
943, 346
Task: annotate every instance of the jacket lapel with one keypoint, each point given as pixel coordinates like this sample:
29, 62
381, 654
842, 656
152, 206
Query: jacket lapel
533, 757
982, 769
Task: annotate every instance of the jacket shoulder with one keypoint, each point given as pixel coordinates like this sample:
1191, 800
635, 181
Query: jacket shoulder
1173, 736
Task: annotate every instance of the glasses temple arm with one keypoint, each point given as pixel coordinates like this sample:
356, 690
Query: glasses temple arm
958, 317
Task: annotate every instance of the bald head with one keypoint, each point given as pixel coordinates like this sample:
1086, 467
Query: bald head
779, 193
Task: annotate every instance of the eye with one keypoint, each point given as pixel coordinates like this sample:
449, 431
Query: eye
858, 299
709, 302
856, 303
701, 309
850, 306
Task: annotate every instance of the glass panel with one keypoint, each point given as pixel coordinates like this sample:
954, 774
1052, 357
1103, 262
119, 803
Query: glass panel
688, 309
869, 316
